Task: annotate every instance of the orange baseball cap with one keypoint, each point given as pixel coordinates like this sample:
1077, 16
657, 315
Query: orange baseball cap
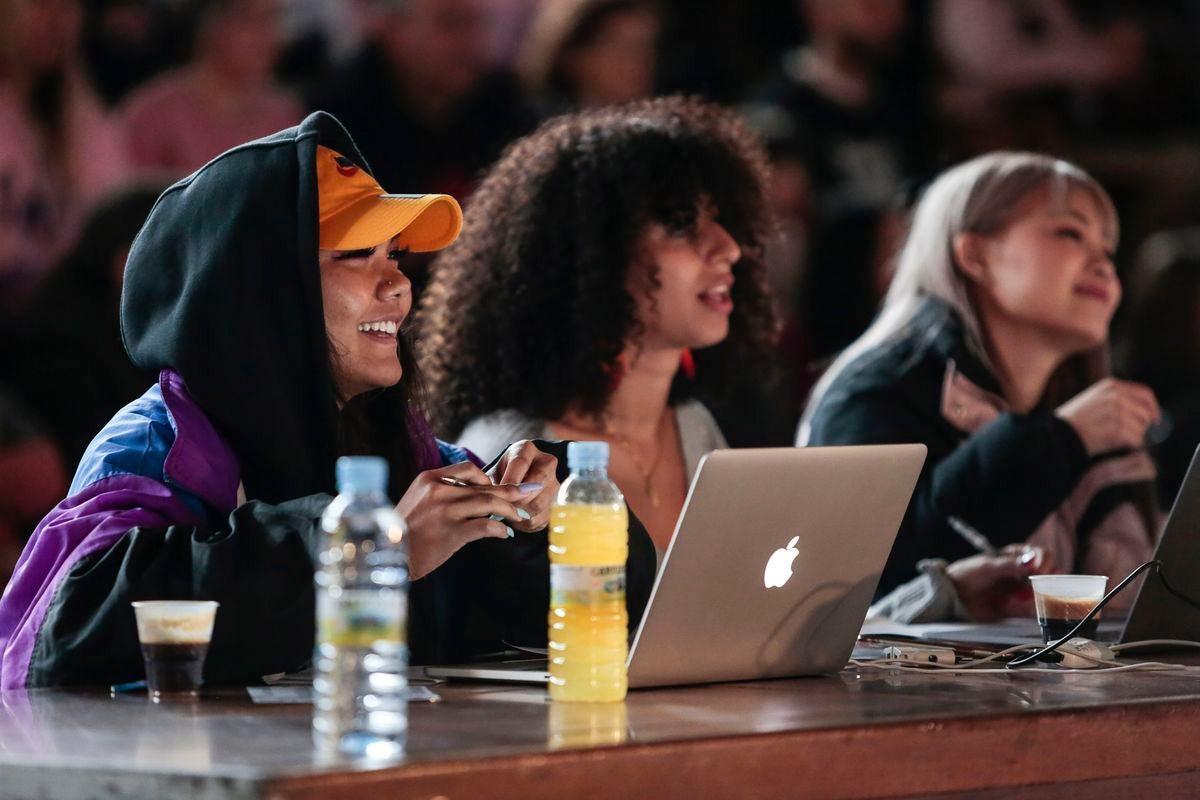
355, 212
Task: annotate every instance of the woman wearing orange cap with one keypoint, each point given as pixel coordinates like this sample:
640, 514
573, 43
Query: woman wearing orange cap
266, 289
364, 236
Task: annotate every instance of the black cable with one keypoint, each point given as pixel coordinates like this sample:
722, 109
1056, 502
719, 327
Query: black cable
1171, 589
1053, 646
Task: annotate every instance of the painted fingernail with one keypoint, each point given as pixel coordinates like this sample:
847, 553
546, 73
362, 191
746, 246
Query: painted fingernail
526, 488
510, 531
495, 517
522, 513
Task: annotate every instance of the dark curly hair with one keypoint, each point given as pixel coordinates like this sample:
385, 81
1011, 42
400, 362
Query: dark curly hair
529, 309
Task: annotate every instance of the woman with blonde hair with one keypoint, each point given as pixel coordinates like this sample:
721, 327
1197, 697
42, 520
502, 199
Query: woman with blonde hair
992, 349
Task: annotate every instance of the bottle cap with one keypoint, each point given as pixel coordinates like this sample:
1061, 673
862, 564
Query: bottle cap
587, 455
362, 474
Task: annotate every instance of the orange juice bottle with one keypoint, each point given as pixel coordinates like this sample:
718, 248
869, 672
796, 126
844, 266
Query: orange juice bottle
589, 543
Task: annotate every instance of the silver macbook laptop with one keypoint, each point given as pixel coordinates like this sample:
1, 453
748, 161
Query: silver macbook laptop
773, 563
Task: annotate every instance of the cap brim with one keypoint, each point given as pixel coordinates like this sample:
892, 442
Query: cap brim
428, 222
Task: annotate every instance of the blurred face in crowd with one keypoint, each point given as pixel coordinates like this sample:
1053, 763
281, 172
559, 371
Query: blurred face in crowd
366, 299
440, 45
241, 39
618, 63
40, 35
1050, 270
691, 303
869, 28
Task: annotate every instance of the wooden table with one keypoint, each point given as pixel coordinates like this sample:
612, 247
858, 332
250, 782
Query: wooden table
858, 734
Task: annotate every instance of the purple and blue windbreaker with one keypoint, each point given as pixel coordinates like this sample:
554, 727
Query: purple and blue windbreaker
158, 463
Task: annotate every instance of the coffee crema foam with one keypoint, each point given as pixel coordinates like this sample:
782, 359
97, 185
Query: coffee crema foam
191, 629
1049, 606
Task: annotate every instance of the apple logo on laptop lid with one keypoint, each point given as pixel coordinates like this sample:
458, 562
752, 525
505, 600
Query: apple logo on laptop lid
779, 565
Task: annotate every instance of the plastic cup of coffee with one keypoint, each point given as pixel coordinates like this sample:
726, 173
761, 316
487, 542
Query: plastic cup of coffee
1061, 601
174, 635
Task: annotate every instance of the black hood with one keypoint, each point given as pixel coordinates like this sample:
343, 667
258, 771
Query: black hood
222, 285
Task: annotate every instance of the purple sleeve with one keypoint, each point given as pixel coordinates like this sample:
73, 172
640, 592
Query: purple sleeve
80, 525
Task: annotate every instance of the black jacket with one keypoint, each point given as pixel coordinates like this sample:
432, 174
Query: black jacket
1003, 480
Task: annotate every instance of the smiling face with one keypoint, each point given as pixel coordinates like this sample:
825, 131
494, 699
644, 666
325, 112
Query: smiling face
1050, 270
691, 304
366, 300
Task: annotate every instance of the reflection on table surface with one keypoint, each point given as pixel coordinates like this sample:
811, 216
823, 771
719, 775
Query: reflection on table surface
224, 734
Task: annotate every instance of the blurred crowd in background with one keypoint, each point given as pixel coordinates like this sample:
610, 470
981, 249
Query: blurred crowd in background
860, 102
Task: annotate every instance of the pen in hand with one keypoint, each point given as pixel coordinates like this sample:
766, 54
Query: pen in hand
973, 537
525, 488
450, 481
981, 542
522, 513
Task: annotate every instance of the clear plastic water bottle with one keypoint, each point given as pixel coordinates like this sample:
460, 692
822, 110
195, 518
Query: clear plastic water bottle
361, 653
589, 543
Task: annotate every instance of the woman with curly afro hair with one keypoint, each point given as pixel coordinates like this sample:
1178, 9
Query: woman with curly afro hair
629, 239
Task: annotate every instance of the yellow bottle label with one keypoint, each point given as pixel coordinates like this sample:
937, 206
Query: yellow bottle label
586, 586
361, 618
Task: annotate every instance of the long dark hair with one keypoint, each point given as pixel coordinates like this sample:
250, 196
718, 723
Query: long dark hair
387, 422
529, 309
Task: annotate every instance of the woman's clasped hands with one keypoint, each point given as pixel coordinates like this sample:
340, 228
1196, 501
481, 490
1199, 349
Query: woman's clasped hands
446, 508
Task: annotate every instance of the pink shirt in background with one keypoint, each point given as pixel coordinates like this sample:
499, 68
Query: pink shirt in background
170, 127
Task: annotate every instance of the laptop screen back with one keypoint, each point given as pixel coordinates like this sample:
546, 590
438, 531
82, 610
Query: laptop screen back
774, 561
1156, 613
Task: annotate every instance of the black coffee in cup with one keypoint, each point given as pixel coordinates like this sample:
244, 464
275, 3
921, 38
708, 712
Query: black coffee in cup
174, 635
1058, 616
1061, 601
174, 667
1055, 629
